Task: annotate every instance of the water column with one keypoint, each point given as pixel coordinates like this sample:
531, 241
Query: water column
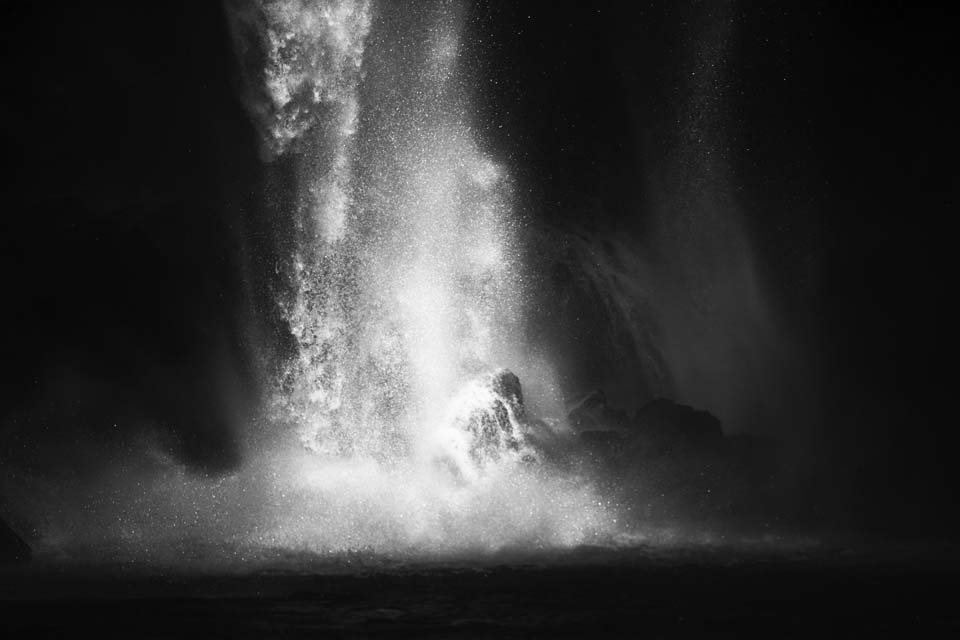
404, 283
398, 426
442, 254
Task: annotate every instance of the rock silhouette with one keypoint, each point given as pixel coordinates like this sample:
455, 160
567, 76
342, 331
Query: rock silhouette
669, 460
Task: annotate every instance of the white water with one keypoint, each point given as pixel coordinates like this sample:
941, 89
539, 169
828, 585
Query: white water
407, 293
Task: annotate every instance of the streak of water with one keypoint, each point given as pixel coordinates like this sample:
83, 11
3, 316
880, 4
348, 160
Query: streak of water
407, 286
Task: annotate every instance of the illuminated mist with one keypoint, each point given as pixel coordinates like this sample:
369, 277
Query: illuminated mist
398, 422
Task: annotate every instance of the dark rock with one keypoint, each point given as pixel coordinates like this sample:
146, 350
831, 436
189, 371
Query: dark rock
12, 547
506, 384
660, 427
672, 462
593, 413
498, 423
668, 422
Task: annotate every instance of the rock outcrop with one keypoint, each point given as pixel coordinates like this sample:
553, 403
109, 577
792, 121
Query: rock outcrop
592, 412
496, 421
669, 460
668, 424
490, 424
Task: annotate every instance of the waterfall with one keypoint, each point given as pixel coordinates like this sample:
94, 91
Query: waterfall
405, 282
406, 287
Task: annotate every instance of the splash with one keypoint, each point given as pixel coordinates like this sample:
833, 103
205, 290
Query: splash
406, 294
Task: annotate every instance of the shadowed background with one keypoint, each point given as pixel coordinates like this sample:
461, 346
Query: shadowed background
784, 175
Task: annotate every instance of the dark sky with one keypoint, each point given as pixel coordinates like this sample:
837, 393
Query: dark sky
133, 188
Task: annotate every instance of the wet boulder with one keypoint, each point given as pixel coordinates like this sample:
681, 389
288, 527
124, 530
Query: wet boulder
672, 461
495, 420
659, 427
668, 425
506, 387
593, 413
489, 411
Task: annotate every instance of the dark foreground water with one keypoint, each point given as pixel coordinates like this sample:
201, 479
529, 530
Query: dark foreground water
586, 594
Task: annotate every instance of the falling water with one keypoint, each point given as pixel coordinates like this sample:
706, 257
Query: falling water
406, 293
